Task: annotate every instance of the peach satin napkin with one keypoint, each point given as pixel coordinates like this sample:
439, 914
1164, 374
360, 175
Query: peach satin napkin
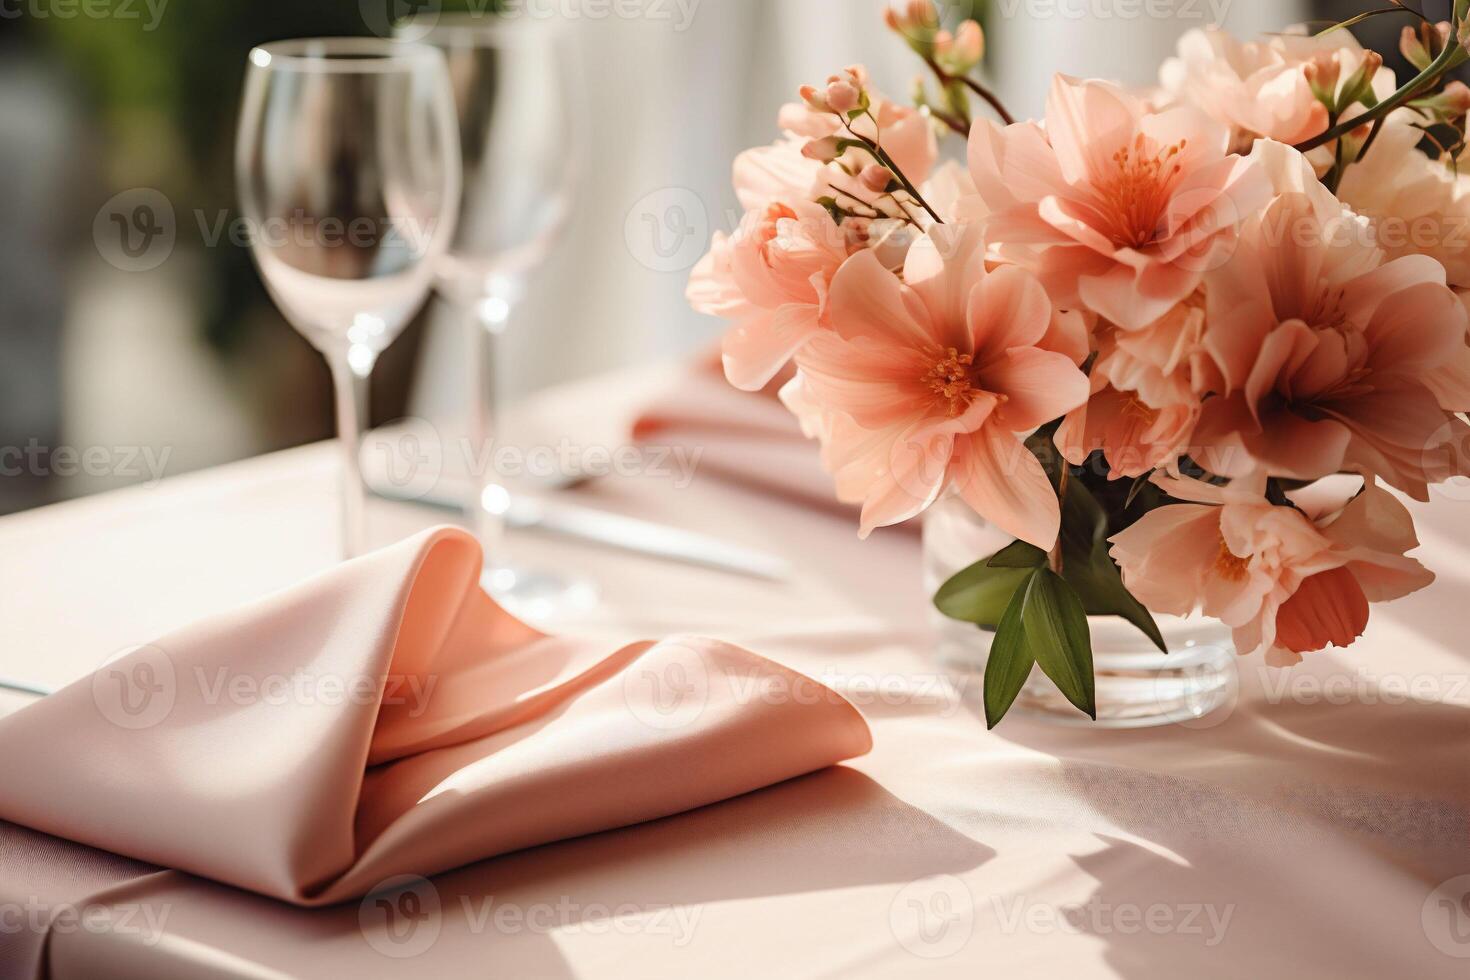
388, 718
743, 437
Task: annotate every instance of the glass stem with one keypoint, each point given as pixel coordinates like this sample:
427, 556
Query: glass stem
351, 396
482, 363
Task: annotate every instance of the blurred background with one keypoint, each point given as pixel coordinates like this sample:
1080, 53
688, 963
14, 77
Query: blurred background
179, 360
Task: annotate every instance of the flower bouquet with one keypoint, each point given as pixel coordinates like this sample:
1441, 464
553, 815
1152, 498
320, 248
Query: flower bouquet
1179, 343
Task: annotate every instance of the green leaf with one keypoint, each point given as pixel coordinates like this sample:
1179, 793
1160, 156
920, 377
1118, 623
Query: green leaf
1100, 586
1018, 554
1058, 637
1010, 660
1088, 568
979, 594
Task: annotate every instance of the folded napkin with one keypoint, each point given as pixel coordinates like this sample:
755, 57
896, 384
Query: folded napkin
744, 437
388, 718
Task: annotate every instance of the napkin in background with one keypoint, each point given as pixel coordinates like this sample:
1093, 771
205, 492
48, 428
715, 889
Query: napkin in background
388, 718
747, 438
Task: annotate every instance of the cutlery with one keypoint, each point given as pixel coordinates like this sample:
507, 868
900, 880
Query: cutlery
23, 688
610, 530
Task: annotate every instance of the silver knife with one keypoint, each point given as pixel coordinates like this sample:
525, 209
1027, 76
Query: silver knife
614, 531
23, 687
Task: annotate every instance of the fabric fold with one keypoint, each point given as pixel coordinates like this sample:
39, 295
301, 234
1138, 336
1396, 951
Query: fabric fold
388, 718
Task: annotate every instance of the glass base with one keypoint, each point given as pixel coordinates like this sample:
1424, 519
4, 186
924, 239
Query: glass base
538, 596
1195, 685
1196, 682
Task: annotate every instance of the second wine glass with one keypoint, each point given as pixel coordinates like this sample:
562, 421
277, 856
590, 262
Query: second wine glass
513, 81
349, 178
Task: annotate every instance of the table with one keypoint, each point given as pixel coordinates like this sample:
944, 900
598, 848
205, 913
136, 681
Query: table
1317, 827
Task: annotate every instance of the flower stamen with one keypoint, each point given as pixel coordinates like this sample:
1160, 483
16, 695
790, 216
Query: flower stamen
1229, 565
1134, 196
951, 379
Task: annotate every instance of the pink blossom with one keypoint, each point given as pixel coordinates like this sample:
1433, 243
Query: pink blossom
1264, 89
1233, 556
1288, 581
771, 279
1147, 387
1327, 352
1118, 208
1418, 206
932, 382
1371, 533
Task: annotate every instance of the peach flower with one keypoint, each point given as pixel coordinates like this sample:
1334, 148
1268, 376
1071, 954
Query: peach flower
1118, 208
1264, 88
1146, 391
1371, 534
771, 275
1418, 206
932, 382
765, 175
1285, 583
771, 279
1326, 352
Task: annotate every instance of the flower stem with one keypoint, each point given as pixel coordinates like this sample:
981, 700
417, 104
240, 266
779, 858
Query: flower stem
1452, 55
882, 157
1055, 557
990, 97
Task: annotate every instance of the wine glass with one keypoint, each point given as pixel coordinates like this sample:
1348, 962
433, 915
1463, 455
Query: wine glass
348, 168
512, 79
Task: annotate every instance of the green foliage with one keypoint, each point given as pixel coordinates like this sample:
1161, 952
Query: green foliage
1043, 623
980, 594
1010, 660
1038, 604
1058, 637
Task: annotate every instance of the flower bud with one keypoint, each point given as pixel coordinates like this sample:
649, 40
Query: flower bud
1457, 97
1323, 73
1423, 44
824, 150
969, 43
876, 178
917, 22
1411, 45
815, 101
1448, 106
842, 96
1359, 85
921, 13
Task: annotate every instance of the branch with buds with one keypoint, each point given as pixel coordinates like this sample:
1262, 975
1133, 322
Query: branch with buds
1428, 79
952, 57
846, 97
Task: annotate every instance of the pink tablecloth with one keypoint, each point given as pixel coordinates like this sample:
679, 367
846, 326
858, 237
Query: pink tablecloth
1318, 828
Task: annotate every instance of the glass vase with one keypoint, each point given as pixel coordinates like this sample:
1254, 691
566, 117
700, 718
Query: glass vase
1137, 686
